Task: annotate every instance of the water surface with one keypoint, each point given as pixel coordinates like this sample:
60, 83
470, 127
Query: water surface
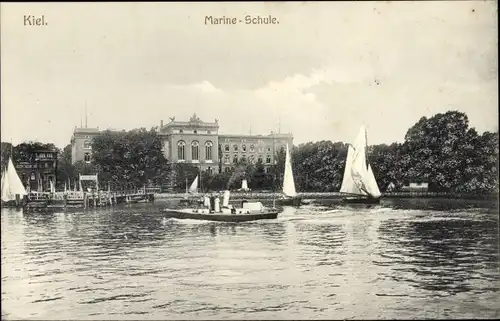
404, 259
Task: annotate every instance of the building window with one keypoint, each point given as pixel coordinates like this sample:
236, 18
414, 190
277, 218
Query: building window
261, 149
252, 159
209, 170
243, 148
208, 132
181, 131
243, 159
86, 144
227, 169
260, 159
252, 148
226, 159
226, 148
235, 159
208, 150
86, 157
235, 147
195, 131
269, 149
181, 150
195, 150
268, 159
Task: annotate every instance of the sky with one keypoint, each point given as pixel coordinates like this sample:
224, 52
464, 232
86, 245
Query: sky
321, 73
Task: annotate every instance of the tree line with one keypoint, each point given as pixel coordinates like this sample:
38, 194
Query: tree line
441, 150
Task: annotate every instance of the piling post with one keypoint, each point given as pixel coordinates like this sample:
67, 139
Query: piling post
65, 200
18, 200
85, 199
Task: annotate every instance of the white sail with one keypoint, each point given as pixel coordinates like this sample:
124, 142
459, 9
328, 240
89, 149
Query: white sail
288, 182
371, 183
194, 186
11, 184
3, 179
360, 172
348, 185
244, 185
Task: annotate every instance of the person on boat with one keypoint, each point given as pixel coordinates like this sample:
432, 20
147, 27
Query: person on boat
212, 203
206, 201
217, 204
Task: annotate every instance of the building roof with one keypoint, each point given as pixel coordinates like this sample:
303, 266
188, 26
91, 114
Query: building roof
194, 121
86, 130
272, 135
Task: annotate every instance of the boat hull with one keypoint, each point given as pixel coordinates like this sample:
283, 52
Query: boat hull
292, 201
362, 200
220, 217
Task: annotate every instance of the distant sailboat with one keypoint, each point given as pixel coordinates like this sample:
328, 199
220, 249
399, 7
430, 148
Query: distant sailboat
193, 190
194, 186
289, 193
11, 184
244, 185
359, 182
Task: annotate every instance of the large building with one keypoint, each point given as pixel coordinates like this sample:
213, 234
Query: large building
199, 143
38, 169
81, 144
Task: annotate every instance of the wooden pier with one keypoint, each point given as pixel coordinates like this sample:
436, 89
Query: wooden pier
76, 199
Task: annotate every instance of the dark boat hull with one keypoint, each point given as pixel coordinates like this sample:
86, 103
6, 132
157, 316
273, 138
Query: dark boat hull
362, 200
221, 217
292, 201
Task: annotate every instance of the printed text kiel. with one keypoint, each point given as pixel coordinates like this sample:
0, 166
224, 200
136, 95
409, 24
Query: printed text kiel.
31, 20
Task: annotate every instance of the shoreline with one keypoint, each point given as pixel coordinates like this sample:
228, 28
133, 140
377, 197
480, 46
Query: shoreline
337, 195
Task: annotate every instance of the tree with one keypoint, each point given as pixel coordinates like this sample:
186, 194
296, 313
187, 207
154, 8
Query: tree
130, 159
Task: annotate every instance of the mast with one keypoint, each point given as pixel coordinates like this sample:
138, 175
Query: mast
199, 181
366, 149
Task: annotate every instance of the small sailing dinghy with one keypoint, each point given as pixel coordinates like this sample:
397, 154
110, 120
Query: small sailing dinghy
244, 186
191, 192
13, 189
250, 211
289, 194
359, 183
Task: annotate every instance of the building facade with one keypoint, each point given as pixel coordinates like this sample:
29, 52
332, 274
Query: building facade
199, 143
252, 148
81, 144
38, 169
193, 142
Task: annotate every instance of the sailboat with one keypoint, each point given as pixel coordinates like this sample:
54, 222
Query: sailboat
192, 190
359, 183
244, 186
289, 194
11, 185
